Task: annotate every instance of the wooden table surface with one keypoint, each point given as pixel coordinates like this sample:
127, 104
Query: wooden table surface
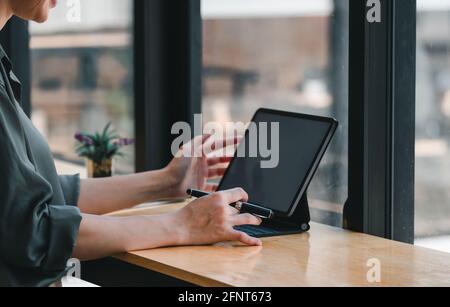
325, 256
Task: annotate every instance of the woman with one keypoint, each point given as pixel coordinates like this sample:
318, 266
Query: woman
46, 219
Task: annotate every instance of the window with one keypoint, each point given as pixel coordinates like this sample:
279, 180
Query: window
433, 125
82, 75
263, 53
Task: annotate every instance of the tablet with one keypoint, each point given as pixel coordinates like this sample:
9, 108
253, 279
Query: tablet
302, 141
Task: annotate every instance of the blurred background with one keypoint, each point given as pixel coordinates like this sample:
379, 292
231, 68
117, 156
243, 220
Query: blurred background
82, 75
433, 124
284, 54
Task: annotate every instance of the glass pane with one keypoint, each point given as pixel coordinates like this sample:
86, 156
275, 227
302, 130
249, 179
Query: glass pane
82, 74
433, 125
263, 53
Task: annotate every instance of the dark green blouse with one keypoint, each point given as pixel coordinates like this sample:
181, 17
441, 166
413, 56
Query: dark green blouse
39, 220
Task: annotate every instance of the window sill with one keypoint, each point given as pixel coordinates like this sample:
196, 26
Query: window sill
67, 168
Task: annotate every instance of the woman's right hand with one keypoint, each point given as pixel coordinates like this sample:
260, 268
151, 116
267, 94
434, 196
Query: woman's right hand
211, 219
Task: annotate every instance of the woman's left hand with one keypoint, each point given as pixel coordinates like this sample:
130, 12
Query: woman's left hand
197, 162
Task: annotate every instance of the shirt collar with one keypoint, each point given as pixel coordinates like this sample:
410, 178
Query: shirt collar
13, 82
3, 54
5, 59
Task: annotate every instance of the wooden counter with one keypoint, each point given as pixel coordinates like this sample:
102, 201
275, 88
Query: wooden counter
325, 256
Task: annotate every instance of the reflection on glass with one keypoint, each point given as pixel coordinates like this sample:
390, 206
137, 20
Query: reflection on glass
289, 55
82, 75
433, 125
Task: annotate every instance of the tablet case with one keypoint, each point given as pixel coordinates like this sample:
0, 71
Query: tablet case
297, 223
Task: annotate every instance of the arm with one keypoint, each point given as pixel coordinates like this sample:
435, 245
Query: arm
35, 234
101, 196
102, 236
204, 221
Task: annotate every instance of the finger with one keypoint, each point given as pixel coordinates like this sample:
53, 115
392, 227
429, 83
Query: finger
216, 173
245, 238
246, 219
233, 211
234, 195
195, 147
219, 160
211, 188
202, 139
216, 144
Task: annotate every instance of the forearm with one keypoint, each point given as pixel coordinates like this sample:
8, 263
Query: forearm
100, 196
102, 236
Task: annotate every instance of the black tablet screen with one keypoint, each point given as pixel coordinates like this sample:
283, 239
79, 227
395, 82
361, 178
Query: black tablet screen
275, 184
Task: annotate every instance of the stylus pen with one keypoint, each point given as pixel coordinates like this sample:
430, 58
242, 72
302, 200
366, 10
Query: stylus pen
243, 207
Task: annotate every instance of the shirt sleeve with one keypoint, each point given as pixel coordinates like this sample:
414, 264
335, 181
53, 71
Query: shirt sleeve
35, 234
71, 189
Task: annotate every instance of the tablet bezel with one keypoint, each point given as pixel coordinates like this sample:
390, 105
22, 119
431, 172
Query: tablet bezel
317, 159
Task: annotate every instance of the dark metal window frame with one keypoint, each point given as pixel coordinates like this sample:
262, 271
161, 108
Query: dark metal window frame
382, 120
168, 67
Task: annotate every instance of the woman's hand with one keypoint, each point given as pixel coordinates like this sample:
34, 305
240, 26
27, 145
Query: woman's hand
211, 219
194, 166
191, 169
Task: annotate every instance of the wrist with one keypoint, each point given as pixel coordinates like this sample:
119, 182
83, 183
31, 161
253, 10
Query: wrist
148, 232
155, 185
172, 182
179, 230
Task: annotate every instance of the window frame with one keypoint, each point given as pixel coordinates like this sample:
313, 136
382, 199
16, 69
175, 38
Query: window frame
168, 65
382, 121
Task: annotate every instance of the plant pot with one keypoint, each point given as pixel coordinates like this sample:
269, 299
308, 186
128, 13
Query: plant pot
100, 170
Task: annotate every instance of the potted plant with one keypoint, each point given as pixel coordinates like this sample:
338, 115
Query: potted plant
99, 149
